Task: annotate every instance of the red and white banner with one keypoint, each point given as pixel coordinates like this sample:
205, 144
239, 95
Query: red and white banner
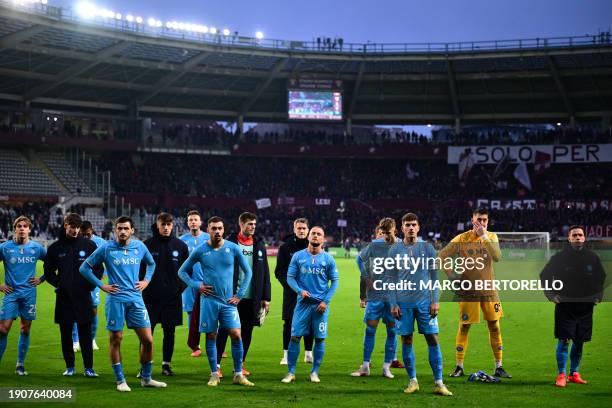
578, 153
598, 231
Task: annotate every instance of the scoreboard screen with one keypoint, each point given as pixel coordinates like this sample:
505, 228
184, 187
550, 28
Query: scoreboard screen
315, 105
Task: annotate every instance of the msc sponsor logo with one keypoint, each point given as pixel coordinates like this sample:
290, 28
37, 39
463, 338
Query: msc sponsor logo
23, 260
126, 261
314, 270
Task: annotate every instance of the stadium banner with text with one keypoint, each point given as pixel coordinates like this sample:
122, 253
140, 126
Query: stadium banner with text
533, 204
576, 153
599, 231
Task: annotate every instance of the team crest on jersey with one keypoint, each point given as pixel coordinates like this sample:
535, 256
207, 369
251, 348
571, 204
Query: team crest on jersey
227, 250
117, 261
32, 251
323, 263
136, 252
259, 253
13, 260
175, 253
81, 253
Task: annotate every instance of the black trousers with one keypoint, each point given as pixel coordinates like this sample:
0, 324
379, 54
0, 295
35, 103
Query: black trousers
84, 340
168, 342
308, 339
247, 320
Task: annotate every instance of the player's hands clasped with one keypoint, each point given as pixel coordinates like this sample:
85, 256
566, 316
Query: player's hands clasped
305, 294
322, 307
109, 288
233, 300
6, 289
395, 311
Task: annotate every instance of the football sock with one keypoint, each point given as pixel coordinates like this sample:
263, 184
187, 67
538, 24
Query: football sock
562, 353
495, 339
292, 354
211, 353
462, 343
75, 333
118, 370
368, 342
22, 347
146, 370
390, 344
3, 339
237, 351
435, 361
409, 360
318, 351
94, 327
575, 356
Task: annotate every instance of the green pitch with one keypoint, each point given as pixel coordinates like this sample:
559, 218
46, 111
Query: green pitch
528, 342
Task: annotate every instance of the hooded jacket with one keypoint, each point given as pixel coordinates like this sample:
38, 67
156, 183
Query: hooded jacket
61, 269
169, 254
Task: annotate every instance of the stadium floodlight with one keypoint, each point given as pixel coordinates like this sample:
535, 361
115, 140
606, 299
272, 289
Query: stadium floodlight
259, 35
139, 20
151, 22
558, 123
204, 29
181, 26
226, 32
43, 1
86, 10
429, 125
129, 18
213, 30
118, 16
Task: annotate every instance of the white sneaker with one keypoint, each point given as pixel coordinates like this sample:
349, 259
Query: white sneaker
308, 357
364, 371
284, 361
152, 383
386, 372
76, 347
214, 380
94, 346
314, 377
289, 378
123, 387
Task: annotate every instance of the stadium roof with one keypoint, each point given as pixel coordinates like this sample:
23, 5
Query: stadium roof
51, 60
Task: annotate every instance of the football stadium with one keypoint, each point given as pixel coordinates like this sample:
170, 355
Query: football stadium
288, 195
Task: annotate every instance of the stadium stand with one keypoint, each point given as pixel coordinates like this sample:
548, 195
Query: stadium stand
19, 176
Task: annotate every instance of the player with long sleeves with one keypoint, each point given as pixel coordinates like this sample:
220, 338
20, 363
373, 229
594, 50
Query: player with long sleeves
218, 302
124, 303
20, 256
313, 275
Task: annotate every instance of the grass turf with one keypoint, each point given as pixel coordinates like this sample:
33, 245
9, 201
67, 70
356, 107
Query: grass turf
529, 354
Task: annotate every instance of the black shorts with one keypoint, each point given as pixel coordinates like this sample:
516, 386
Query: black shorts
574, 321
168, 313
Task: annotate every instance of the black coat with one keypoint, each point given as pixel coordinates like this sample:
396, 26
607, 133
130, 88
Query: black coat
291, 245
260, 282
73, 291
580, 271
169, 254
